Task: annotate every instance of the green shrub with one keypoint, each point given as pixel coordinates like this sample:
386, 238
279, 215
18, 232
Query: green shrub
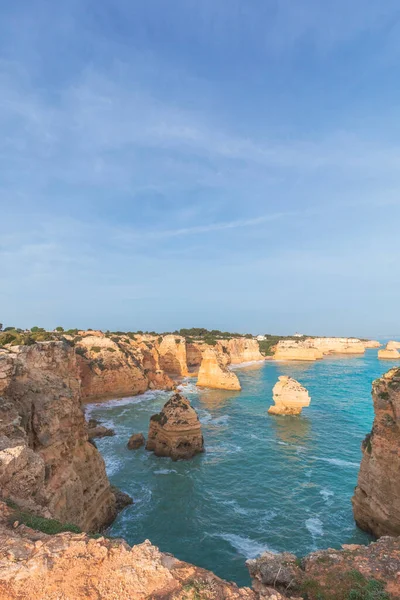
49, 526
60, 329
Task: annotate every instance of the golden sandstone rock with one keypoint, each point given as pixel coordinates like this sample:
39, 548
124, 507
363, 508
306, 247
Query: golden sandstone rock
393, 345
376, 501
214, 374
172, 351
389, 353
316, 348
176, 430
289, 397
240, 350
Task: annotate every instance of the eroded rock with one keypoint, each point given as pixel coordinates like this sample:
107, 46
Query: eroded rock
136, 441
214, 374
289, 396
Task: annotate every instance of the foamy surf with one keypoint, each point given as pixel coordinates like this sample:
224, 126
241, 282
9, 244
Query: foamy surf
314, 526
245, 546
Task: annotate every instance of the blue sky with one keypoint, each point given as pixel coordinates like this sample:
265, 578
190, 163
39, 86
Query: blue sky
233, 164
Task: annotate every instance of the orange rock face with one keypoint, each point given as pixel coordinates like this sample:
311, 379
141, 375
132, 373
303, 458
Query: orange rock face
376, 501
241, 350
47, 464
214, 374
36, 566
176, 430
172, 352
389, 353
316, 348
290, 397
288, 350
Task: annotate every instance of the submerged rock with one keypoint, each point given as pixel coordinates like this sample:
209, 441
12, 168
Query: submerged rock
96, 430
136, 441
122, 499
214, 374
376, 501
289, 397
176, 430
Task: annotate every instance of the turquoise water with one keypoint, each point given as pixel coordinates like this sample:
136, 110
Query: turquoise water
264, 482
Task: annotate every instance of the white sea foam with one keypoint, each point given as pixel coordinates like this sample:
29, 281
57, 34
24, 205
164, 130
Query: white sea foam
245, 546
146, 397
187, 388
246, 364
314, 526
235, 506
338, 462
326, 494
164, 471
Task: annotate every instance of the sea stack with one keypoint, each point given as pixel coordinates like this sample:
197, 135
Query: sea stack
390, 352
176, 430
376, 501
289, 397
213, 373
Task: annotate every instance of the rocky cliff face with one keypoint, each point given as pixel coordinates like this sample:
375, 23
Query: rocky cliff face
214, 374
393, 345
36, 566
391, 353
292, 350
290, 397
176, 430
118, 366
316, 348
376, 502
47, 464
172, 351
240, 350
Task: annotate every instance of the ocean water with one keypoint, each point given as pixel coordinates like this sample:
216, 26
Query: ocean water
264, 483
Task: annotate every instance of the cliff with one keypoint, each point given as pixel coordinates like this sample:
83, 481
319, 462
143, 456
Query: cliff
37, 566
172, 351
376, 501
47, 464
291, 350
290, 397
118, 366
316, 348
240, 350
214, 374
176, 430
393, 345
389, 353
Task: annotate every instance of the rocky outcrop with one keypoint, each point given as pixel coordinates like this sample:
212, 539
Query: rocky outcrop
376, 501
172, 351
290, 397
176, 430
116, 366
214, 374
194, 354
136, 441
389, 353
371, 344
241, 350
47, 464
70, 566
292, 350
392, 345
352, 572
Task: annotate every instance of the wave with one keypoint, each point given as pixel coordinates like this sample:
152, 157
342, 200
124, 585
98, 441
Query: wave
245, 546
314, 526
326, 494
145, 397
245, 364
338, 462
164, 471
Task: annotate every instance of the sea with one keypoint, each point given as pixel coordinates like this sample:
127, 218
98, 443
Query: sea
264, 483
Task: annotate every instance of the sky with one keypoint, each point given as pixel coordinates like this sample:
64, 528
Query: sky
230, 164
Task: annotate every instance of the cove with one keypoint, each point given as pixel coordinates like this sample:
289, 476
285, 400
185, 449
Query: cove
264, 482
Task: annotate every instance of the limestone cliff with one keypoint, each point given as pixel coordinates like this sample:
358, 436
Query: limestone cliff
292, 350
393, 345
176, 430
214, 374
194, 354
316, 348
241, 350
115, 366
389, 353
47, 464
172, 351
290, 397
376, 502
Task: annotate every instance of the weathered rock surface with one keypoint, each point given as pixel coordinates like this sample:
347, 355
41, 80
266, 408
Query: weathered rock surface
389, 353
136, 441
176, 430
316, 348
214, 374
292, 350
376, 502
172, 351
241, 350
96, 430
194, 354
372, 344
331, 573
290, 397
67, 566
47, 464
393, 345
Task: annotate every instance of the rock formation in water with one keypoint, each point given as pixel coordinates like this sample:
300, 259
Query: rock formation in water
47, 464
214, 374
371, 344
316, 348
389, 353
172, 351
376, 501
241, 350
176, 430
136, 441
96, 430
70, 566
352, 572
289, 397
393, 345
292, 350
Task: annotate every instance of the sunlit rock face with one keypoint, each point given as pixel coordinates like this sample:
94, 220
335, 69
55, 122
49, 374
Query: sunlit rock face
316, 348
292, 350
47, 464
176, 430
172, 353
393, 345
213, 372
241, 350
389, 353
376, 501
290, 397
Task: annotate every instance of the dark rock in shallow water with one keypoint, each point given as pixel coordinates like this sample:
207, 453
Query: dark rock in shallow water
96, 430
136, 441
122, 500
